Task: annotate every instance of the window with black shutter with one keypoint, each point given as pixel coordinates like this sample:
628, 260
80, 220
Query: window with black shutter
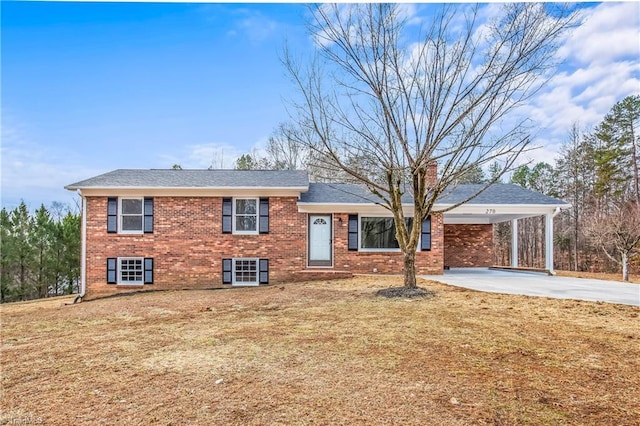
227, 215
264, 216
112, 270
353, 232
148, 270
264, 271
112, 214
425, 236
227, 271
148, 215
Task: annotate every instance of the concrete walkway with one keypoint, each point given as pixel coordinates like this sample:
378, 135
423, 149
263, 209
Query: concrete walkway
537, 284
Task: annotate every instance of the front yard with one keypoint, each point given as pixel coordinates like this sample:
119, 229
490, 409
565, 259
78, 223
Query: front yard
320, 353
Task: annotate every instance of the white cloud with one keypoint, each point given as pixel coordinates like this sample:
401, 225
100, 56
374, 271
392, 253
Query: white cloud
214, 155
602, 66
36, 173
254, 25
608, 32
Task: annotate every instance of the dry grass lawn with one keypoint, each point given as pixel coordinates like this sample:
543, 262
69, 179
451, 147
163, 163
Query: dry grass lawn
320, 353
598, 276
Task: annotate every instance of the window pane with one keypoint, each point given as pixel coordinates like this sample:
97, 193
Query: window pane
130, 270
246, 271
379, 232
245, 223
132, 223
246, 207
131, 206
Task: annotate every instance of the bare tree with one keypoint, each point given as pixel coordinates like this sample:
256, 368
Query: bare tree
283, 152
618, 234
402, 100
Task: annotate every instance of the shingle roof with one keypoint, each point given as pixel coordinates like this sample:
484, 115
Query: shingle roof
322, 193
343, 193
169, 178
499, 193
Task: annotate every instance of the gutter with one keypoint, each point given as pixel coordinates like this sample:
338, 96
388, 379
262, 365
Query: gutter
83, 251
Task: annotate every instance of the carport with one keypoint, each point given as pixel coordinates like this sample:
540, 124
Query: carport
501, 203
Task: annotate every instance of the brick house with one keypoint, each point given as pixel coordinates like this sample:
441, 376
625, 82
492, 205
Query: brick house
175, 229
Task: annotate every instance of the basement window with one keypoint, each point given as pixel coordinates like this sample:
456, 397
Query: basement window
245, 271
130, 270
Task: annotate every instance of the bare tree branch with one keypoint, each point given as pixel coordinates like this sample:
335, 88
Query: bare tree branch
384, 103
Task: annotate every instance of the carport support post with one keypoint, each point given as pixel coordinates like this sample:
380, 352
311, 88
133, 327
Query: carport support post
548, 246
514, 243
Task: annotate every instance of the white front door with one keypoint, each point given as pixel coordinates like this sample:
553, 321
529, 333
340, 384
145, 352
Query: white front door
320, 240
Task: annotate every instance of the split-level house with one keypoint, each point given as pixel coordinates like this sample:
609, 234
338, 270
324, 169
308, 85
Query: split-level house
196, 229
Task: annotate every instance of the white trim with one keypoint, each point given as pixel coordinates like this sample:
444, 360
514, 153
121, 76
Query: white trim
245, 283
121, 214
233, 216
514, 243
332, 238
548, 230
479, 212
119, 280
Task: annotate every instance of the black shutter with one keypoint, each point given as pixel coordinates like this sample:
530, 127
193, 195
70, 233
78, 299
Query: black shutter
148, 215
112, 214
264, 271
227, 212
227, 265
353, 232
264, 216
148, 270
112, 273
426, 234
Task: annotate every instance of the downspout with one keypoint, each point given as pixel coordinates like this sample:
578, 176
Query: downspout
556, 212
83, 251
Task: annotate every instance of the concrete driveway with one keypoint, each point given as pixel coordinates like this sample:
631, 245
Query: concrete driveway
537, 284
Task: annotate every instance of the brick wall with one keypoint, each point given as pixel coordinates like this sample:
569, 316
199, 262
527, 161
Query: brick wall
188, 245
468, 245
427, 262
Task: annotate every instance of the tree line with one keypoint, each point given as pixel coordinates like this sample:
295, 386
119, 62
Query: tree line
39, 252
597, 173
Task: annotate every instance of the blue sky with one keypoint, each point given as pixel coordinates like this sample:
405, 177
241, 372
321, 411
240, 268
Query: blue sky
92, 87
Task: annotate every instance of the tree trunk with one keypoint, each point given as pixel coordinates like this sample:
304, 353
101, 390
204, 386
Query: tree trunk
625, 267
410, 270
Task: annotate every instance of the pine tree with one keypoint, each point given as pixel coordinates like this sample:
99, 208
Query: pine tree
6, 280
22, 253
42, 239
616, 153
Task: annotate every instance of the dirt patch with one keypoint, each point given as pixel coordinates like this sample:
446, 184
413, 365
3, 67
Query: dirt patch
405, 292
326, 352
